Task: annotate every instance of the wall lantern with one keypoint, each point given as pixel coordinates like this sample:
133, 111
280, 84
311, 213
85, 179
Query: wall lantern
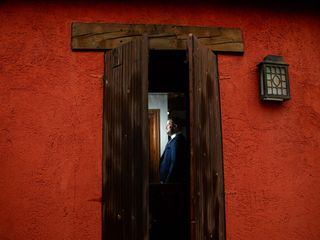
274, 79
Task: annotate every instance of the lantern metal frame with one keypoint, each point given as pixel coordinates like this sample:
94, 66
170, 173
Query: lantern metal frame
274, 79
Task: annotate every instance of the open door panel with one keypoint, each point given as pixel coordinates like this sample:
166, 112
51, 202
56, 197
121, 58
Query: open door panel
126, 142
206, 167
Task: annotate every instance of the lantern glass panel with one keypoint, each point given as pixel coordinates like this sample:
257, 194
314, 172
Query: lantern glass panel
284, 85
274, 91
268, 76
276, 80
269, 83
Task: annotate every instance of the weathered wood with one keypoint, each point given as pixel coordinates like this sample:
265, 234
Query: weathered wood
102, 36
154, 145
207, 188
126, 148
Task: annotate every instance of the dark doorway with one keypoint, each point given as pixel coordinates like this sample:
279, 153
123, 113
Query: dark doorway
169, 204
194, 210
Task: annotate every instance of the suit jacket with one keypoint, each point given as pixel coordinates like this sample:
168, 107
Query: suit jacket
173, 161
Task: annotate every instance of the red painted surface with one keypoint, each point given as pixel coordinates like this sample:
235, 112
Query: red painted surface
51, 115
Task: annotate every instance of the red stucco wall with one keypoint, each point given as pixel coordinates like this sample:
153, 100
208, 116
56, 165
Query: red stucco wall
51, 115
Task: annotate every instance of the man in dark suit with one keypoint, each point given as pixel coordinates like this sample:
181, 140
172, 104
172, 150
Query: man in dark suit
173, 215
173, 162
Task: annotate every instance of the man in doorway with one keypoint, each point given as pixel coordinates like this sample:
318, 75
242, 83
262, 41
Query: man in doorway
173, 162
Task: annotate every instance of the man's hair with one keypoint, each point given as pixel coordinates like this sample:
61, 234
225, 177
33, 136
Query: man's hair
178, 121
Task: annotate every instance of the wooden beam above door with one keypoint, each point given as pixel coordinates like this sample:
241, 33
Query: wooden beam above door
103, 36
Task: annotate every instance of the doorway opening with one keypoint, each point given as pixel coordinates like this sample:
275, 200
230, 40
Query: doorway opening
174, 211
125, 118
169, 204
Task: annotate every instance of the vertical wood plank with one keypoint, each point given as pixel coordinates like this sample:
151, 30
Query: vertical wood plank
126, 142
207, 187
154, 136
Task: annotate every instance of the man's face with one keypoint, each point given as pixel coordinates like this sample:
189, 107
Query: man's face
170, 127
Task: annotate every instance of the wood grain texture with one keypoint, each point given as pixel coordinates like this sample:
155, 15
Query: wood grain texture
126, 145
207, 188
154, 145
102, 36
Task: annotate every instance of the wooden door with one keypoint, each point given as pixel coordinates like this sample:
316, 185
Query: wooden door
154, 145
126, 142
206, 185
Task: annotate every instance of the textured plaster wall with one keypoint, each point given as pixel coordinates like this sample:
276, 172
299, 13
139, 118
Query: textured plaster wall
51, 120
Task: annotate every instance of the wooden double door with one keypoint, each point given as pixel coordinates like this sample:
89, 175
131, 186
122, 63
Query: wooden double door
126, 144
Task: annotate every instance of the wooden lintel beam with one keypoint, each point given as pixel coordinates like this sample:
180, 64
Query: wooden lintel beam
102, 36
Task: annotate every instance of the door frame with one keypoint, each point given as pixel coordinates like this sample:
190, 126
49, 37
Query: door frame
105, 36
101, 37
